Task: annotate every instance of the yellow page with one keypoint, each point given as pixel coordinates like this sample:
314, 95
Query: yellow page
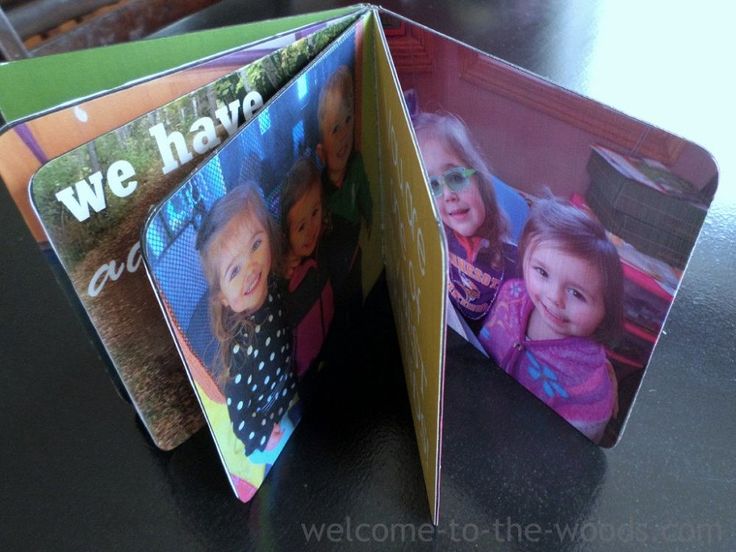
415, 264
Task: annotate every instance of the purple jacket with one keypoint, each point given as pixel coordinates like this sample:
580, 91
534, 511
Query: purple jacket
570, 375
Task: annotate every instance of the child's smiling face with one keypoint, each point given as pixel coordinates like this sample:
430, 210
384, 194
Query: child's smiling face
463, 210
566, 290
305, 222
337, 127
243, 260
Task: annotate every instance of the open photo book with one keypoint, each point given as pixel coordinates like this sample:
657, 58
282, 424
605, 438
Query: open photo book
222, 221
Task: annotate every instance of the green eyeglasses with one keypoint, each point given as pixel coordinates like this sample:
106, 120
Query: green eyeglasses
455, 179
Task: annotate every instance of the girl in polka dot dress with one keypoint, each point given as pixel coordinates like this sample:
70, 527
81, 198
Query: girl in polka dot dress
239, 249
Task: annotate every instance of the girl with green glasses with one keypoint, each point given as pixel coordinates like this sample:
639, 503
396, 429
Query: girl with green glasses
479, 252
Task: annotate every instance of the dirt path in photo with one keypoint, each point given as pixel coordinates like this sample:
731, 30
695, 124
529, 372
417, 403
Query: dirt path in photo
130, 322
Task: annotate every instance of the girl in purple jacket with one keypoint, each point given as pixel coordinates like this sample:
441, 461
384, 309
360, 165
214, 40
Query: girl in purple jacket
546, 330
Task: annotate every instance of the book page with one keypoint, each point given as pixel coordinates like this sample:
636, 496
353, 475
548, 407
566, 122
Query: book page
257, 259
93, 201
415, 265
562, 264
30, 143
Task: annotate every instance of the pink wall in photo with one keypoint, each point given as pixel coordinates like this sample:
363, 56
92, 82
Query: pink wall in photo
534, 134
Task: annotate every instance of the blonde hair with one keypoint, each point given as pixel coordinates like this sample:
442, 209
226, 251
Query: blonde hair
242, 200
339, 84
451, 131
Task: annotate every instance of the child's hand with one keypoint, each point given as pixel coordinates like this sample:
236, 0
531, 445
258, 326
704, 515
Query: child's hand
292, 261
276, 435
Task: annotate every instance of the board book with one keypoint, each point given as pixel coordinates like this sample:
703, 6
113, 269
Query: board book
101, 256
270, 202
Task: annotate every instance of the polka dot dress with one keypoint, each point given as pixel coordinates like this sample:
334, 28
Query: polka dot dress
261, 383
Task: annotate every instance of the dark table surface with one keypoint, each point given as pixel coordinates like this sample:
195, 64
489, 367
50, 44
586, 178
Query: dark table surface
78, 472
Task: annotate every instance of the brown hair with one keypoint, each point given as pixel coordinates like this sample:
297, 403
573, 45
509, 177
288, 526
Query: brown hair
574, 232
242, 200
451, 130
301, 178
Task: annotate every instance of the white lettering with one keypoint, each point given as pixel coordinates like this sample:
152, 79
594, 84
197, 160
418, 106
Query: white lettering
94, 196
228, 116
409, 268
252, 102
88, 197
206, 138
421, 252
134, 257
117, 174
164, 142
108, 271
113, 271
89, 193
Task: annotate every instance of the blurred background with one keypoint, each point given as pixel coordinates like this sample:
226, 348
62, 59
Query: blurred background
40, 27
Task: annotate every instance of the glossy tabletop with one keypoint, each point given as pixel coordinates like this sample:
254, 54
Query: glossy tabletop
78, 472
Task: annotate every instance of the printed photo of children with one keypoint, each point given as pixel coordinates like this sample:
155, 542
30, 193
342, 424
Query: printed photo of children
567, 225
239, 249
346, 190
545, 329
310, 298
257, 261
481, 253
